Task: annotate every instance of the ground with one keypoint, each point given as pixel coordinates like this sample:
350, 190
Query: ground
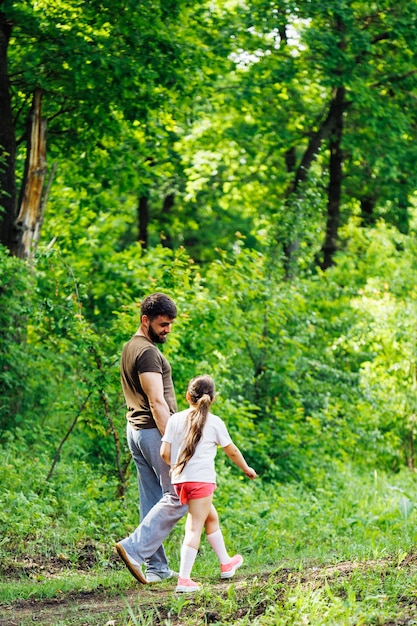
152, 602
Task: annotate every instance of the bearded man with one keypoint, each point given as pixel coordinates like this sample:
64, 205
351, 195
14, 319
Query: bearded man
150, 397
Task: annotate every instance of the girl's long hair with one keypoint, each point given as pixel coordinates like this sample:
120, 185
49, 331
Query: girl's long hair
201, 390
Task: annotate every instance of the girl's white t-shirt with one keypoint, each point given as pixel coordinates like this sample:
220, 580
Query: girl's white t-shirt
200, 468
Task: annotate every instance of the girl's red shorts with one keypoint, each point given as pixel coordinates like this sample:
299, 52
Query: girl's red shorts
193, 491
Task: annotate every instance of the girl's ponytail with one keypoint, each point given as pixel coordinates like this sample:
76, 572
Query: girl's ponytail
201, 392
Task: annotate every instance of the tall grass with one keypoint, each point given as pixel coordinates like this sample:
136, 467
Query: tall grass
336, 552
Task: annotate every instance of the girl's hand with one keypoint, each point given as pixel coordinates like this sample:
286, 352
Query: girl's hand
250, 473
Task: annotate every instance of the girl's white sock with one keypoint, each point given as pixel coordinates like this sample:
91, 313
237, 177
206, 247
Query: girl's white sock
188, 556
217, 543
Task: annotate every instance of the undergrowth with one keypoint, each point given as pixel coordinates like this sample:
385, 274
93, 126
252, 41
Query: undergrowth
340, 551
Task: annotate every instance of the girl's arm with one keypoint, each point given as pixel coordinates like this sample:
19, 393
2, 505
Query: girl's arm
236, 456
166, 452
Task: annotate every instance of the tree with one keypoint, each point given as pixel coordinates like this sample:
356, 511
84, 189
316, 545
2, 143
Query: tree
68, 54
311, 122
7, 139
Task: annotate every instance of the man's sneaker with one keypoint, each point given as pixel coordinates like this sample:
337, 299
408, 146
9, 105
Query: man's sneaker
132, 565
186, 585
152, 577
228, 570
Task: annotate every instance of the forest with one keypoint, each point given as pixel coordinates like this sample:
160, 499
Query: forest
256, 160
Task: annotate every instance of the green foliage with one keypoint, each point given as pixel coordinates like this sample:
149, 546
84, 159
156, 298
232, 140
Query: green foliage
307, 372
386, 308
313, 374
341, 551
72, 51
56, 517
16, 285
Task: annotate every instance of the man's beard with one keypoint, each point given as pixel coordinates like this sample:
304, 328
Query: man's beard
155, 337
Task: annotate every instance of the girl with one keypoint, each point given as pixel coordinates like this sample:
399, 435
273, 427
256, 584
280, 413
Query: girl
189, 445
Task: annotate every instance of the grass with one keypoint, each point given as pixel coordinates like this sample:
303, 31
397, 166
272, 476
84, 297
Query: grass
341, 552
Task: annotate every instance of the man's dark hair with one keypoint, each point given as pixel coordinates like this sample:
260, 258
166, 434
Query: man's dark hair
158, 304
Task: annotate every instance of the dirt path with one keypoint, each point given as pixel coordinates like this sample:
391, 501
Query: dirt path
80, 606
101, 608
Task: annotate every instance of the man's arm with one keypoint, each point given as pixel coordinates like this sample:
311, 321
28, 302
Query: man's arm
152, 385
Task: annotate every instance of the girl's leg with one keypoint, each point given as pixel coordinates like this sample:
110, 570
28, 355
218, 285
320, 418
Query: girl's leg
198, 511
215, 536
212, 521
228, 565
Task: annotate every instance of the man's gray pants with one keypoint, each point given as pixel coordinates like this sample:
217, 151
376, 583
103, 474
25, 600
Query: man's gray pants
160, 508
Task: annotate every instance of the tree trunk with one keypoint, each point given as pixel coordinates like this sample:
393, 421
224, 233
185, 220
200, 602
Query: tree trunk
7, 145
37, 233
30, 213
312, 150
326, 128
143, 217
335, 184
367, 208
165, 235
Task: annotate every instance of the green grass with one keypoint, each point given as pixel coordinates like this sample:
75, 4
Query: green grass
340, 551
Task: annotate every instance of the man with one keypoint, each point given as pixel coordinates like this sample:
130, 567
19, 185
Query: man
150, 397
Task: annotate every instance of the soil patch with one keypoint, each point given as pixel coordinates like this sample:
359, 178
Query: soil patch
102, 608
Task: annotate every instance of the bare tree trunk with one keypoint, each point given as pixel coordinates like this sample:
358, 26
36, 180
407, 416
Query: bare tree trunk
7, 144
30, 213
42, 208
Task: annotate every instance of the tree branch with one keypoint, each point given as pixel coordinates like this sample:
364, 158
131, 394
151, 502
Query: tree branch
71, 428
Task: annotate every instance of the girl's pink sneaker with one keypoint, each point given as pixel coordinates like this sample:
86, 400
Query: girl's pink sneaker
186, 585
228, 570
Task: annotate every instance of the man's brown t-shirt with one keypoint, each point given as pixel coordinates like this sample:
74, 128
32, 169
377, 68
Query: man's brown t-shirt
140, 355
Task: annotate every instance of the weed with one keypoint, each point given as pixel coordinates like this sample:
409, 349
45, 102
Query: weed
339, 553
